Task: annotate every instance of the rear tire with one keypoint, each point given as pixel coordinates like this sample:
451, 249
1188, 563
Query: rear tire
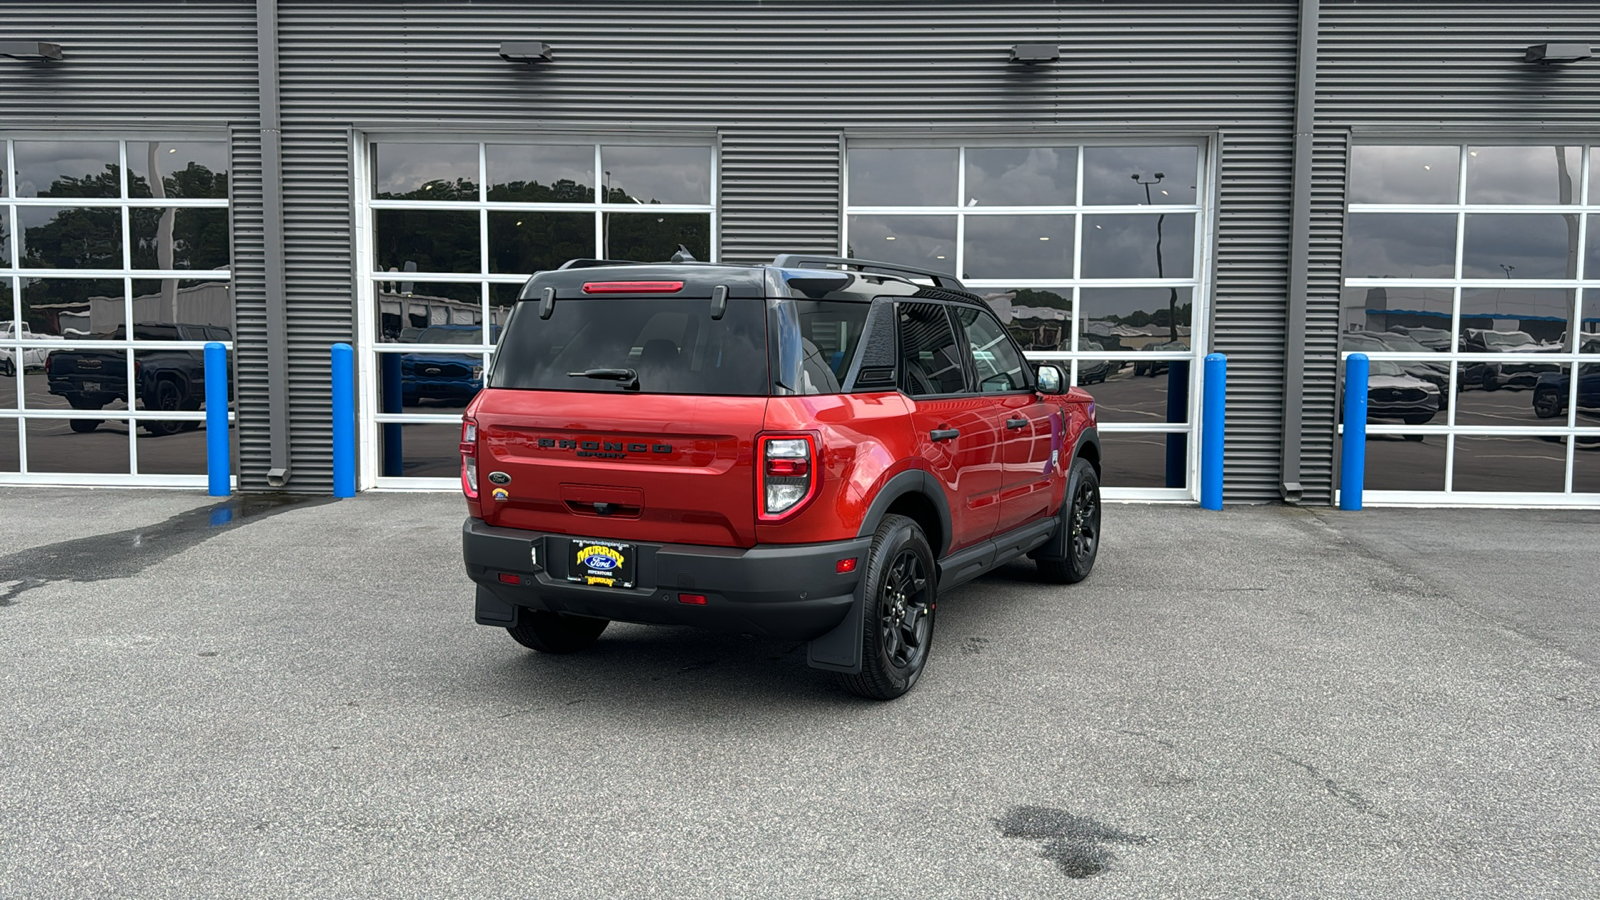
168, 398
897, 612
1080, 518
83, 426
547, 632
1547, 404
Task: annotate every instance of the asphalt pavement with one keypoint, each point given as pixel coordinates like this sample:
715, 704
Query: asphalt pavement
288, 698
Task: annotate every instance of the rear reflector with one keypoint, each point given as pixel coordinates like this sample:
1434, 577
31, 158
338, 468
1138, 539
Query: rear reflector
508, 578
632, 287
845, 566
692, 599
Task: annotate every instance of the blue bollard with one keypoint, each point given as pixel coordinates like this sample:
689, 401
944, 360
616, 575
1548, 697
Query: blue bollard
344, 421
1213, 407
1353, 454
219, 451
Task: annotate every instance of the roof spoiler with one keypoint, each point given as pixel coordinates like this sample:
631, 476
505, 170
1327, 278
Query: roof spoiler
805, 261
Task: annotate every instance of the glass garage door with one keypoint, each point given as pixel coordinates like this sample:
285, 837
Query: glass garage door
1472, 280
452, 231
96, 234
1092, 254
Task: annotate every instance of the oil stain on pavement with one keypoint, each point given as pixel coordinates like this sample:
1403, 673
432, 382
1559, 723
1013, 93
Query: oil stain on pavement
1078, 845
122, 554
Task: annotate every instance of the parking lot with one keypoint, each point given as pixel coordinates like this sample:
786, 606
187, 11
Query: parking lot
275, 698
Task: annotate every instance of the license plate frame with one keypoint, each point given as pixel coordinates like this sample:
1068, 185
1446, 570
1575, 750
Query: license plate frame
587, 559
91, 387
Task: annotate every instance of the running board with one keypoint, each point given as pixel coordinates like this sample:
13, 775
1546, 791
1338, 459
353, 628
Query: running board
964, 565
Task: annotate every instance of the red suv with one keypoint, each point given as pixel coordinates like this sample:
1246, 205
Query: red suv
808, 450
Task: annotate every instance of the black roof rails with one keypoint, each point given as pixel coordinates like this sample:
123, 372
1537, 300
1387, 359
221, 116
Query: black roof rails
805, 261
592, 263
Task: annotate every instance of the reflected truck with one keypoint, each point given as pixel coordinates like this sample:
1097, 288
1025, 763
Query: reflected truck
450, 377
164, 379
1393, 394
1492, 376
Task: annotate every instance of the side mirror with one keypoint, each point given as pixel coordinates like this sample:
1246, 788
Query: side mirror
1051, 381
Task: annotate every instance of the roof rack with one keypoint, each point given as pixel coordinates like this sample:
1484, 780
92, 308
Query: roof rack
592, 263
805, 261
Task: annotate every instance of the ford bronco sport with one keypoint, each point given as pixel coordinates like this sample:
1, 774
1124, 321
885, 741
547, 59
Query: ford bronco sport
809, 450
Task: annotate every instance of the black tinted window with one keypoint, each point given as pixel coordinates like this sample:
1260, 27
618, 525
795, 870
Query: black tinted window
995, 360
815, 341
930, 361
671, 346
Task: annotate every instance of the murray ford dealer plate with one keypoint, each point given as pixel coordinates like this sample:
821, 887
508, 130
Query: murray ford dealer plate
602, 563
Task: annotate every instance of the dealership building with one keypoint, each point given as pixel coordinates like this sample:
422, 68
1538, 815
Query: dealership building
1131, 185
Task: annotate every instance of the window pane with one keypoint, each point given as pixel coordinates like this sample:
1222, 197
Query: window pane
926, 242
1022, 176
433, 379
191, 306
1591, 258
1585, 461
1138, 246
10, 449
998, 364
1525, 395
1019, 247
1156, 393
1038, 318
1530, 175
405, 308
5, 239
78, 446
1413, 319
1404, 245
1136, 319
67, 169
1528, 246
12, 366
1144, 459
502, 300
426, 240
425, 171
172, 448
528, 242
930, 361
654, 238
903, 177
56, 238
1127, 176
179, 238
1589, 327
1515, 320
540, 173
656, 174
1522, 464
1405, 462
186, 169
1380, 174
74, 307
416, 450
1397, 396
171, 381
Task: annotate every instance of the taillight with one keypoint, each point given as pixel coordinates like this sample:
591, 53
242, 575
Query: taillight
469, 458
790, 470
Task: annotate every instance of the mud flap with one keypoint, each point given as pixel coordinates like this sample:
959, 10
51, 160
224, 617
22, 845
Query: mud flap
840, 649
491, 610
1055, 546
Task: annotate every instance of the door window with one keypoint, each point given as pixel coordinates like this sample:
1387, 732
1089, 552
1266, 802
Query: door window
995, 359
930, 361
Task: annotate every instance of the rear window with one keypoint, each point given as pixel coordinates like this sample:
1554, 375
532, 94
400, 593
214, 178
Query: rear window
814, 342
665, 346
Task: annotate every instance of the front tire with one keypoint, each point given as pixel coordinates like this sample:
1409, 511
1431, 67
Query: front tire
1080, 518
83, 426
897, 611
1547, 404
547, 632
168, 398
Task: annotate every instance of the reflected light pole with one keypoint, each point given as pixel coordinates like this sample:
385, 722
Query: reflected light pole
1172, 297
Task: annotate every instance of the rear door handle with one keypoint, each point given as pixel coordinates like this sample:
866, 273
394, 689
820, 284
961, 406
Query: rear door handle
944, 434
1016, 423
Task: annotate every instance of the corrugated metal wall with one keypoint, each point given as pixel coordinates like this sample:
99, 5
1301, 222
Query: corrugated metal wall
1448, 70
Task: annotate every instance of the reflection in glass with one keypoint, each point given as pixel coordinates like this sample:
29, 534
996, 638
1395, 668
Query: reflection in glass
67, 169
1589, 322
1520, 394
1591, 256
1515, 320
1138, 246
1529, 175
5, 241
1038, 318
186, 169
78, 446
1519, 464
924, 241
1121, 395
903, 177
426, 240
1400, 245
1585, 460
1397, 395
1405, 462
1136, 319
1019, 247
10, 449
656, 175
171, 381
540, 173
406, 308
425, 171
72, 238
1021, 176
1138, 459
1413, 319
1520, 246
176, 310
502, 300
647, 237
433, 380
1386, 174
1128, 176
11, 373
421, 450
179, 238
75, 307
164, 451
528, 242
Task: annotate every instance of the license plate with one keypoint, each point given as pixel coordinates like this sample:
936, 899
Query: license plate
603, 563
91, 386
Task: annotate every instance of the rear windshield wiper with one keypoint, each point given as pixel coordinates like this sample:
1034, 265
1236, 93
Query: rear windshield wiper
628, 377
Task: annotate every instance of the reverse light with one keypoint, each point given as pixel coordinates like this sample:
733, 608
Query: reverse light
632, 287
469, 458
788, 474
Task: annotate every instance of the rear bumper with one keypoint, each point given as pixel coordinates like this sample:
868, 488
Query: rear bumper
783, 591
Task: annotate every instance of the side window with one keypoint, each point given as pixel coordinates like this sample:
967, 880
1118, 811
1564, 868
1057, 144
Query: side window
930, 360
999, 366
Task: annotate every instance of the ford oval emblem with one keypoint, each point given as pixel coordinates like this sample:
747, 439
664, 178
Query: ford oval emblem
600, 563
499, 478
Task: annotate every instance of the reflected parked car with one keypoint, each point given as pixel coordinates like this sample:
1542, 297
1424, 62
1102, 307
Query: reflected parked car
1435, 339
1157, 366
1378, 342
1491, 376
443, 376
1094, 371
1551, 391
1393, 394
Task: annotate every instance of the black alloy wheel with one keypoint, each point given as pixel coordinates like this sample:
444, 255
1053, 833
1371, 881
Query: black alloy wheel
1084, 537
904, 617
897, 611
1547, 404
1078, 542
167, 399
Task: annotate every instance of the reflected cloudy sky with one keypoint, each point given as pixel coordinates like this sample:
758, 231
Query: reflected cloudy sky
1018, 247
1026, 176
924, 241
659, 174
1518, 246
1125, 246
1381, 174
903, 177
399, 169
1523, 174
1400, 245
545, 164
41, 163
1108, 175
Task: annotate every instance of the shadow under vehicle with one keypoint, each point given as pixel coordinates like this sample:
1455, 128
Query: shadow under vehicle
1376, 342
443, 376
164, 379
1435, 339
1392, 394
1157, 366
1492, 376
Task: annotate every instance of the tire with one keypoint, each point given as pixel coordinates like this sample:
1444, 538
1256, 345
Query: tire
897, 614
83, 426
167, 399
8, 364
1080, 517
1547, 404
1418, 420
1489, 382
547, 632
1415, 438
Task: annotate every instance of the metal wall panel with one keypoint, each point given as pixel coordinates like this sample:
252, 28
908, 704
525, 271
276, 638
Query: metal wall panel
779, 193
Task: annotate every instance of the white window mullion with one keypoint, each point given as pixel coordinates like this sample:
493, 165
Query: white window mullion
961, 216
131, 354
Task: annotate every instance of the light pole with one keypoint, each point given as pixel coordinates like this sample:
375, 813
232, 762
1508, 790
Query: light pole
1172, 297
